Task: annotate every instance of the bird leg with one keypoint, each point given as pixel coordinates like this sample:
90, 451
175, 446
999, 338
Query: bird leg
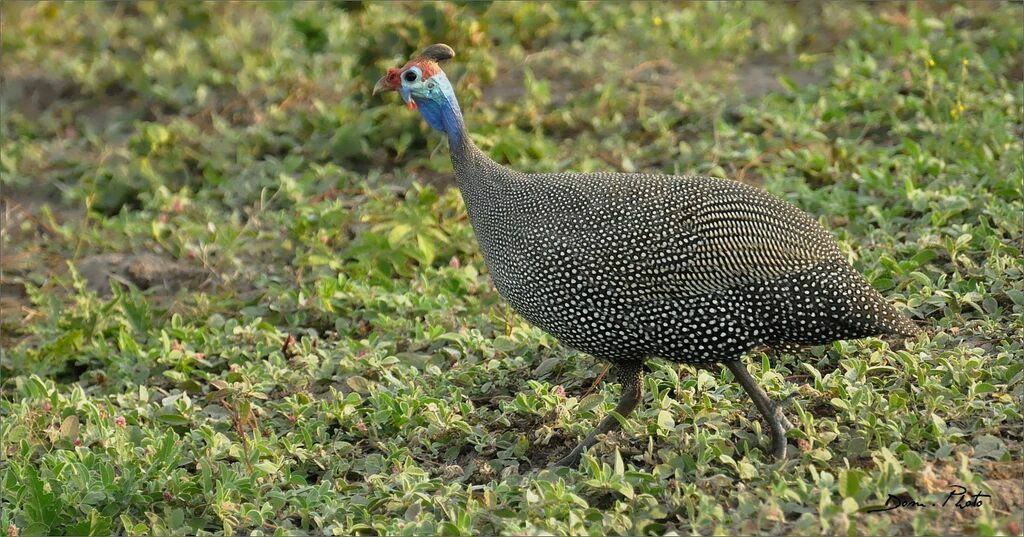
631, 376
771, 412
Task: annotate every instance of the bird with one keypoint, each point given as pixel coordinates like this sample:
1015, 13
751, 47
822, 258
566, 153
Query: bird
630, 266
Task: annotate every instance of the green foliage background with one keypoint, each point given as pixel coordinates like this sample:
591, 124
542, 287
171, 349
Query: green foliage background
241, 296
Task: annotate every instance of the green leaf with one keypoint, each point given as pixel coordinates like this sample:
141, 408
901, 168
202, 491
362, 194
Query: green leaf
984, 387
504, 344
398, 234
666, 421
623, 487
788, 83
547, 366
990, 305
427, 248
266, 467
590, 402
69, 428
171, 417
93, 524
39, 506
746, 470
36, 529
849, 482
358, 384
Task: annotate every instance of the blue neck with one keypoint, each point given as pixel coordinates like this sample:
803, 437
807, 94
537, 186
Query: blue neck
441, 111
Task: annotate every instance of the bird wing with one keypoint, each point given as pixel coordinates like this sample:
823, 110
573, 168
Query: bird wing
676, 237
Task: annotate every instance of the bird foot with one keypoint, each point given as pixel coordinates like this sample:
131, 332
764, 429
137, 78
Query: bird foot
779, 415
779, 449
570, 460
778, 432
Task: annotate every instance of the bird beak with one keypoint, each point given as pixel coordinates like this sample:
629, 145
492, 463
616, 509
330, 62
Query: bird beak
382, 85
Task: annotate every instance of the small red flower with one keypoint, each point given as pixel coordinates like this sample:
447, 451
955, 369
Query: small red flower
559, 391
454, 263
120, 421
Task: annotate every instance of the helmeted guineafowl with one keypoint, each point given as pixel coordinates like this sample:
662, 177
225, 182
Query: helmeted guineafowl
632, 266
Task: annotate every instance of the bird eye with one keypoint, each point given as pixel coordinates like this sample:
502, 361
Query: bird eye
410, 76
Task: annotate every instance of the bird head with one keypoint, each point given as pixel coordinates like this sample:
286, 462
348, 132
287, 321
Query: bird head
423, 86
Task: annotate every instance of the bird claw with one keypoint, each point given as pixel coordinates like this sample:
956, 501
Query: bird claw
777, 410
569, 461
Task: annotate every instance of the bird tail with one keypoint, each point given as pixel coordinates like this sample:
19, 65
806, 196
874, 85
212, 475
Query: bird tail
867, 311
903, 326
827, 303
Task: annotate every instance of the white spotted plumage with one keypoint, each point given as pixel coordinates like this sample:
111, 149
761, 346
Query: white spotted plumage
691, 269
